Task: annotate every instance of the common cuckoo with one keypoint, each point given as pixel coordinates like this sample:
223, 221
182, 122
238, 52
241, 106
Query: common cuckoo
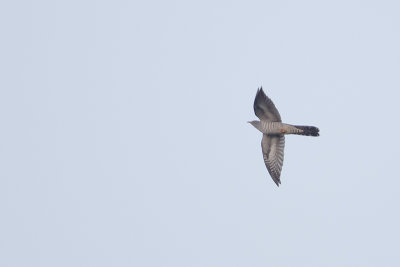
273, 140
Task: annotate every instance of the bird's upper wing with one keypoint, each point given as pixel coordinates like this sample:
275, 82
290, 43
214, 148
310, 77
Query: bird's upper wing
265, 108
272, 148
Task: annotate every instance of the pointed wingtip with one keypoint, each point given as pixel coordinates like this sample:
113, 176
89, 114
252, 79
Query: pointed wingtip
260, 91
277, 182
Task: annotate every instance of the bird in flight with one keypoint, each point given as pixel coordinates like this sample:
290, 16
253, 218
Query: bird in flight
273, 140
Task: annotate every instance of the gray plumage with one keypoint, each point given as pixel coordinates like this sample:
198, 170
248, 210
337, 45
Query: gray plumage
273, 140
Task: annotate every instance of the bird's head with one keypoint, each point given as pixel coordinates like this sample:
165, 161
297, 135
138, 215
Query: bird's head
256, 124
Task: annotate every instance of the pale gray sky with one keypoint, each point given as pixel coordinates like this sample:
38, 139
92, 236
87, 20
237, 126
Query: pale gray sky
124, 139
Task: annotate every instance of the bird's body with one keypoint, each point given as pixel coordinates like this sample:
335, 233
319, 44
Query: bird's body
272, 127
273, 141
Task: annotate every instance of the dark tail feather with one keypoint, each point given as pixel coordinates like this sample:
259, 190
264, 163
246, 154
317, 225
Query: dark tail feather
308, 130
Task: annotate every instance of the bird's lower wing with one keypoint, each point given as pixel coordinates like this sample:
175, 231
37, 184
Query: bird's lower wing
273, 147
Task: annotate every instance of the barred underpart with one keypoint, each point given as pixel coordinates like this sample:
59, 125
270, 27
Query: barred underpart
268, 127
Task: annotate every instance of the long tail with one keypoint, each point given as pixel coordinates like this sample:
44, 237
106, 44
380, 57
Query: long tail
308, 130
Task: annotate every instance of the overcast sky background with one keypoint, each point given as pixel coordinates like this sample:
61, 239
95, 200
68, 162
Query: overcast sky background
124, 139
